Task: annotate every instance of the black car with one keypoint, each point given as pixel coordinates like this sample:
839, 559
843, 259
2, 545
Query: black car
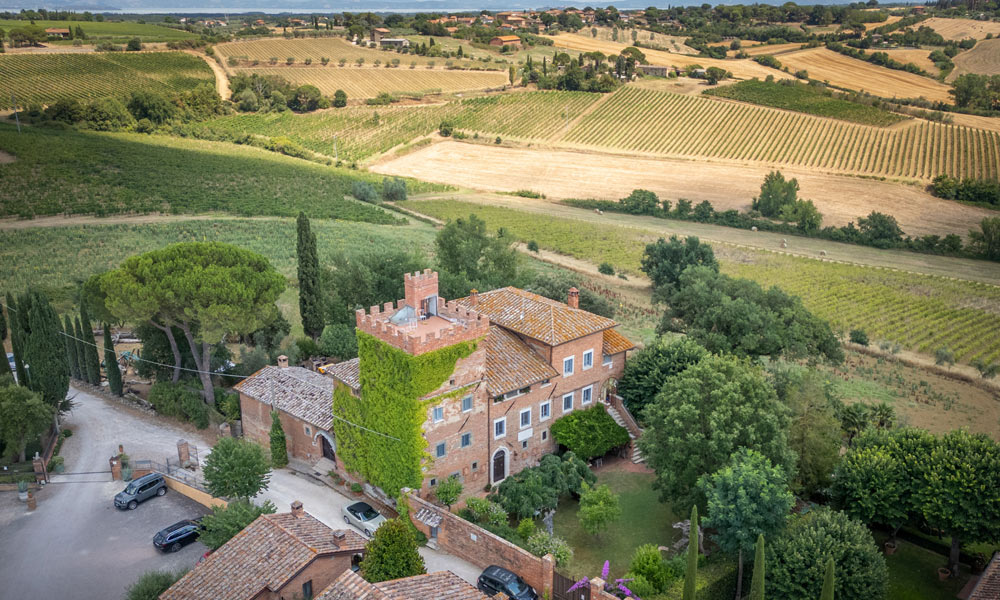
177, 536
497, 580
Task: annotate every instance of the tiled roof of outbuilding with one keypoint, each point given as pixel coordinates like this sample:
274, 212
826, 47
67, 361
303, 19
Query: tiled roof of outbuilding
265, 555
615, 342
299, 392
536, 316
347, 372
442, 585
988, 587
511, 364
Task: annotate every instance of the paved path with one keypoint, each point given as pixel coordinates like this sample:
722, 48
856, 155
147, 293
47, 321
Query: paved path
325, 504
77, 544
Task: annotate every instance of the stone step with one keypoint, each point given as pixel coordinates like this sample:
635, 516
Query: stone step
323, 466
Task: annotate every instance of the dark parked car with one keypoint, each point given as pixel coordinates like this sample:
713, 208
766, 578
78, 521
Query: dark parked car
498, 580
141, 489
177, 536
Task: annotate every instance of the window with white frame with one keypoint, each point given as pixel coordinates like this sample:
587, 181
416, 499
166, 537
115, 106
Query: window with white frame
466, 440
440, 450
567, 366
588, 359
587, 394
544, 410
526, 418
433, 482
545, 435
568, 402
467, 404
499, 427
607, 360
438, 414
524, 444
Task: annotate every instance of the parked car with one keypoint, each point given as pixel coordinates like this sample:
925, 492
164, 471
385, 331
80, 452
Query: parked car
498, 580
363, 516
139, 490
178, 535
13, 369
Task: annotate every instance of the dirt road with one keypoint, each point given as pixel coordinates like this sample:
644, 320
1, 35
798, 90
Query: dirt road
571, 174
221, 79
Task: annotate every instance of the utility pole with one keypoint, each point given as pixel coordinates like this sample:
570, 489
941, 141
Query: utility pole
16, 117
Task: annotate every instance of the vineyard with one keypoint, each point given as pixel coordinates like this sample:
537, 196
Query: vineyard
658, 123
920, 312
368, 83
110, 30
58, 171
45, 78
528, 115
854, 74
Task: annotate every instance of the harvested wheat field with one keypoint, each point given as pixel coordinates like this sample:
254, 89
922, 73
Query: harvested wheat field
985, 123
670, 43
917, 56
741, 68
984, 59
889, 21
853, 74
770, 49
265, 49
960, 29
368, 83
568, 174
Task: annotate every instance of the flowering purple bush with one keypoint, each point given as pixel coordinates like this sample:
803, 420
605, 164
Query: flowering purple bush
616, 587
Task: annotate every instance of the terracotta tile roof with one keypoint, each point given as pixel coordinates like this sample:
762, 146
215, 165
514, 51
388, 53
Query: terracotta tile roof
347, 372
615, 342
988, 587
382, 30
350, 586
442, 585
511, 364
537, 317
265, 555
508, 38
299, 392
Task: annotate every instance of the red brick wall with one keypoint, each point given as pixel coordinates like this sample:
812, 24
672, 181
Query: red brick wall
300, 437
322, 571
459, 537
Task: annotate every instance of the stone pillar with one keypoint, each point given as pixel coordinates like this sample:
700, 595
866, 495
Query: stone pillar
183, 453
225, 430
548, 573
597, 589
32, 503
116, 468
41, 473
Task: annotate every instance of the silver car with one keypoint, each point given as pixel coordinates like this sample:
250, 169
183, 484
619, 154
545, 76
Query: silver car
363, 516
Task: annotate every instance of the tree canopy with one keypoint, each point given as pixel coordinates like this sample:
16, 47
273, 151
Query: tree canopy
392, 553
664, 261
648, 369
226, 521
236, 468
466, 251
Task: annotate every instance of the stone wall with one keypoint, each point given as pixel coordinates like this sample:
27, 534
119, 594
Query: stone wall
458, 537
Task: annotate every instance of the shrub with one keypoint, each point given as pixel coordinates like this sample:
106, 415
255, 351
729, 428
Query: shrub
108, 114
179, 401
339, 341
944, 356
134, 45
356, 488
641, 202
392, 553
533, 246
446, 128
542, 543
364, 191
859, 336
307, 347
606, 269
340, 98
640, 586
151, 584
526, 528
647, 562
448, 491
589, 433
486, 512
393, 189
226, 522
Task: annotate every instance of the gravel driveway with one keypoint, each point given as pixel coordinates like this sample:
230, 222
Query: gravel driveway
77, 544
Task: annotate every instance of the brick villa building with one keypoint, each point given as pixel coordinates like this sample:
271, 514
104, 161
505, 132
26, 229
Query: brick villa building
538, 360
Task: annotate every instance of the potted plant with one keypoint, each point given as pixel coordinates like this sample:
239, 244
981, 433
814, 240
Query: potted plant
126, 473
337, 479
22, 490
944, 573
356, 489
890, 547
57, 464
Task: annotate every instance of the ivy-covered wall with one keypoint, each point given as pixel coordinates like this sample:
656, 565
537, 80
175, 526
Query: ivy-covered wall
392, 384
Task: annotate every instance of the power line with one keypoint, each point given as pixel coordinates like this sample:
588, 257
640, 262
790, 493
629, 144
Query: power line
289, 375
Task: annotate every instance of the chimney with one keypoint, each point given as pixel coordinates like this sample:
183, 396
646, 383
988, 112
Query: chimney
574, 298
282, 362
297, 510
473, 298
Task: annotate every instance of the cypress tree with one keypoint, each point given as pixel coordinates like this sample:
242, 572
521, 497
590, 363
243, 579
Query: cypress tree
44, 350
17, 326
89, 347
691, 575
111, 364
279, 450
81, 349
828, 581
310, 295
757, 583
3, 326
74, 359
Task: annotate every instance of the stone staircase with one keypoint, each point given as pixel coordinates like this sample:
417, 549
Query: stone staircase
637, 456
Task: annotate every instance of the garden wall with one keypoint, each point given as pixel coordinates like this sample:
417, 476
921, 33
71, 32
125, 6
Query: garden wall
459, 537
203, 498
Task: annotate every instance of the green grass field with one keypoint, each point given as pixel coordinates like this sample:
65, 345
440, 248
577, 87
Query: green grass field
45, 78
109, 30
804, 98
918, 311
65, 171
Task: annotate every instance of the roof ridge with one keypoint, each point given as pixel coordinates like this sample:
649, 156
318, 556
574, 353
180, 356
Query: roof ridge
271, 517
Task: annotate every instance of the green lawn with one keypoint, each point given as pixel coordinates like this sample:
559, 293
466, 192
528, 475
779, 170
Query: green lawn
913, 574
644, 521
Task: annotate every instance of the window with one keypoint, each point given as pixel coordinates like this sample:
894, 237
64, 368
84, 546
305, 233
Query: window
466, 440
544, 411
588, 359
475, 465
547, 382
307, 590
587, 394
308, 431
607, 360
568, 402
567, 366
500, 427
524, 444
467, 404
513, 394
440, 450
438, 414
433, 482
526, 418
545, 435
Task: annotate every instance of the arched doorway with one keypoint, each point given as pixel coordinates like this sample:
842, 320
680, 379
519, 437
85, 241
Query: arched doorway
329, 446
499, 467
